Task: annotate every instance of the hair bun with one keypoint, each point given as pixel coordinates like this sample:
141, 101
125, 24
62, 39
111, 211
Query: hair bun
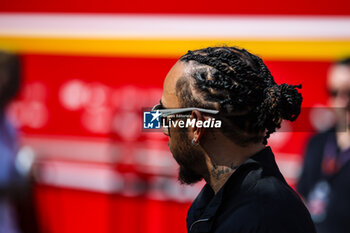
290, 101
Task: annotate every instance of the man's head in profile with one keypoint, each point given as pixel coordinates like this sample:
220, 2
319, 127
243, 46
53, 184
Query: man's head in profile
248, 102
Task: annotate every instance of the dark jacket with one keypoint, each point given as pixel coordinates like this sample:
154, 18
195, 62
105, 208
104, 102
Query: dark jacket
256, 198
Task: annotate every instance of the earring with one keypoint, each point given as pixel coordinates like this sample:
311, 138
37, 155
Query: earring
194, 143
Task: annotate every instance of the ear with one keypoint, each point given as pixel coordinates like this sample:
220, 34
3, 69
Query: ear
198, 132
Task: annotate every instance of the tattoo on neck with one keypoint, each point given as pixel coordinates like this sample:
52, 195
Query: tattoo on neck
218, 171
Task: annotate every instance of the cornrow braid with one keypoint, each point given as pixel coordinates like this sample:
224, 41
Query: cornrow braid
241, 86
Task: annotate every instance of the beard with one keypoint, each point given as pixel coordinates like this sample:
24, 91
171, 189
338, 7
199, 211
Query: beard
188, 157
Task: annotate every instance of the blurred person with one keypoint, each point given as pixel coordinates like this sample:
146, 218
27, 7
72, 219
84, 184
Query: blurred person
9, 85
14, 186
244, 191
325, 177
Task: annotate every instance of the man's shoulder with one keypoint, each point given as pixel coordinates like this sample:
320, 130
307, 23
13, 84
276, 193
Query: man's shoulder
271, 191
269, 215
266, 193
270, 205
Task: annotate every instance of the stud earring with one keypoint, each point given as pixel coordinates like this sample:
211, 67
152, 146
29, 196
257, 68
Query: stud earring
194, 143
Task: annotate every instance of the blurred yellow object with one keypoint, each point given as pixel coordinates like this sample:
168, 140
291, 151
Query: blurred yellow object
268, 49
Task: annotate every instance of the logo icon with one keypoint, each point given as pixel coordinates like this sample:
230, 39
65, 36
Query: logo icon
151, 120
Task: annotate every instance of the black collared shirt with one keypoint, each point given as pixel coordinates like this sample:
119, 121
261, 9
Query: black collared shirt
256, 198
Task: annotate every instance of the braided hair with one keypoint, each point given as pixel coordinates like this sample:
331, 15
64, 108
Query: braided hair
240, 85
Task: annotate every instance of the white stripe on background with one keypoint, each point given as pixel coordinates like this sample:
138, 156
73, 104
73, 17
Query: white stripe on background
98, 178
175, 26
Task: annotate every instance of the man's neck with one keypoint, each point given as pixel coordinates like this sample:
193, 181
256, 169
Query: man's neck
219, 176
223, 162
